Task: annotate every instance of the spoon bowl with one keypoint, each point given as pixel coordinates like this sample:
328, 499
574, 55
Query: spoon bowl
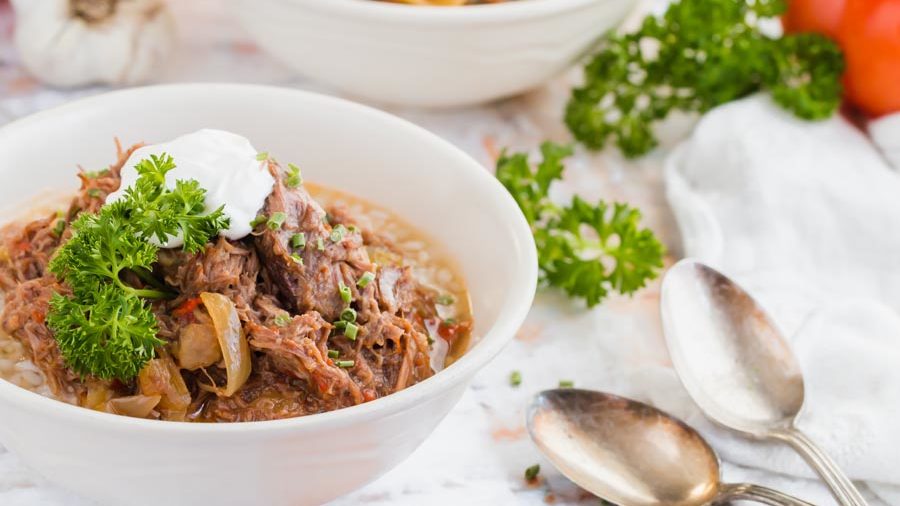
728, 352
736, 365
622, 450
632, 454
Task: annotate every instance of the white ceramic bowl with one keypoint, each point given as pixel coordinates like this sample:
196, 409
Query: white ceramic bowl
125, 461
429, 56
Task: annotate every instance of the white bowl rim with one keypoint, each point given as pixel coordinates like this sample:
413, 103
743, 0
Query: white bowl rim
445, 14
510, 317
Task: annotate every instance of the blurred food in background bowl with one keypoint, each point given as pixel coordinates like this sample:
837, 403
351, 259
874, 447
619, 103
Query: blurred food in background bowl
429, 56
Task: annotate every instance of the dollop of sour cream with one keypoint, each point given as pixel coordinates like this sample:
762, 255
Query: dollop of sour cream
226, 166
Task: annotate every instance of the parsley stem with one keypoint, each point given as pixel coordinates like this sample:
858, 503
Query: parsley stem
148, 293
148, 278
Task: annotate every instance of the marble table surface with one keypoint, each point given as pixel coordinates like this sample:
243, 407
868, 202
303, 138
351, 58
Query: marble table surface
479, 452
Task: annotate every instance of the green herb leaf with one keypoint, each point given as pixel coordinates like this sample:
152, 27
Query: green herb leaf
515, 378
530, 187
276, 220
700, 54
348, 314
338, 233
585, 249
260, 219
155, 211
282, 319
108, 333
365, 279
445, 300
105, 328
346, 294
59, 227
94, 174
350, 330
292, 178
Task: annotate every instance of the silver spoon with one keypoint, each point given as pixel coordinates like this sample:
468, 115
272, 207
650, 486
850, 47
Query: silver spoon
632, 454
736, 365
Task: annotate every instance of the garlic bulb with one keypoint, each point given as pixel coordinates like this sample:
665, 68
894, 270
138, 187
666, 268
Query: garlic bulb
78, 42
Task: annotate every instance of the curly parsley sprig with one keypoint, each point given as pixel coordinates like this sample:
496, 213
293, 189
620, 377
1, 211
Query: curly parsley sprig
587, 250
106, 328
699, 54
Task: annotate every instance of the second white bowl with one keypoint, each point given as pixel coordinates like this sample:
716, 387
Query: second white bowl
429, 56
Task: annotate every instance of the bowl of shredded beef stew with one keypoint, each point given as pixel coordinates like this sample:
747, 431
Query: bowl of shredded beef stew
279, 293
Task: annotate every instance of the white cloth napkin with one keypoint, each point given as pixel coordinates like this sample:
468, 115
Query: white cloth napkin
807, 217
885, 133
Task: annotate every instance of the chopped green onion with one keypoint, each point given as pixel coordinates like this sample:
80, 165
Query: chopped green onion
353, 229
293, 179
282, 319
337, 233
260, 218
298, 240
346, 295
532, 472
346, 364
264, 155
94, 193
445, 300
320, 244
430, 340
566, 383
339, 325
59, 228
297, 258
94, 174
515, 378
350, 331
333, 354
366, 278
276, 220
348, 315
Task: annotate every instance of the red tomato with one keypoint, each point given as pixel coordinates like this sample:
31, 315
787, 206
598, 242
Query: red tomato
820, 16
869, 34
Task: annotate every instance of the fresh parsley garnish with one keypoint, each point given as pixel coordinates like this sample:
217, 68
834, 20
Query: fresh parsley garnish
700, 54
106, 328
585, 249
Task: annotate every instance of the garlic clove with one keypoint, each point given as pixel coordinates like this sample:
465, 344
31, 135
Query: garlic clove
77, 42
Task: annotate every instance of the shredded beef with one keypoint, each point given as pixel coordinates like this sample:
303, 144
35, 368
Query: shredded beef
27, 250
288, 299
23, 316
227, 267
312, 284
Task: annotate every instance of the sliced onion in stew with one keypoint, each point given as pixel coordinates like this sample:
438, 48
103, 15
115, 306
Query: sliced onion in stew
138, 406
235, 350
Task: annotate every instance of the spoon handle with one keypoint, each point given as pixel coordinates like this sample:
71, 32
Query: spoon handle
841, 487
747, 491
